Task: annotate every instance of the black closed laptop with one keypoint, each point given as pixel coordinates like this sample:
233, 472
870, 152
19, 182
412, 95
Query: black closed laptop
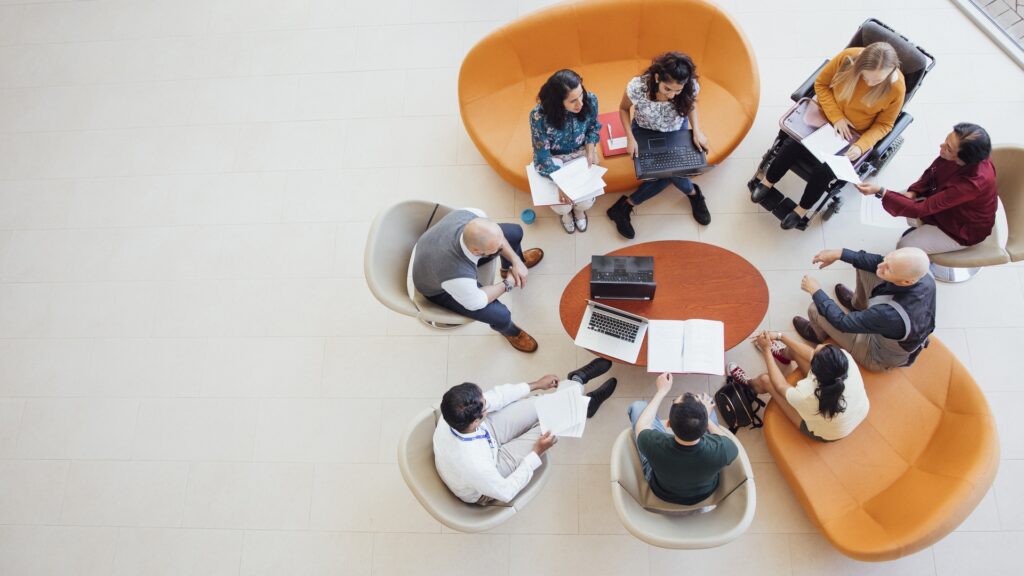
622, 278
664, 154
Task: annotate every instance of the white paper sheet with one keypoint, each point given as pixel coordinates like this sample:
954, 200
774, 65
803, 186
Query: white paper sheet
873, 214
543, 191
843, 169
563, 413
824, 142
617, 143
579, 180
686, 346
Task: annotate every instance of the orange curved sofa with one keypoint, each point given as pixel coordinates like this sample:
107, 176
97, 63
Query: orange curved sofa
607, 42
909, 474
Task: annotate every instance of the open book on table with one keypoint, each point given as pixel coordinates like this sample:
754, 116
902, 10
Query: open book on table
686, 346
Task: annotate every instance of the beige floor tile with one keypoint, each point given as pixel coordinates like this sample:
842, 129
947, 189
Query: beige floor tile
745, 234
242, 495
399, 554
977, 553
391, 367
257, 367
196, 429
995, 362
768, 551
56, 550
318, 430
170, 552
267, 553
125, 494
1009, 495
1005, 406
556, 510
45, 367
489, 360
34, 491
580, 555
11, 410
62, 428
777, 508
597, 513
366, 498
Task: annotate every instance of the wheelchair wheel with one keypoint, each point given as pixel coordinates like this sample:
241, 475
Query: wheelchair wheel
833, 207
889, 153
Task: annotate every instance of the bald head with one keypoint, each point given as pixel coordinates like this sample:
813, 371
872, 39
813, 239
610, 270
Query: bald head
905, 266
482, 236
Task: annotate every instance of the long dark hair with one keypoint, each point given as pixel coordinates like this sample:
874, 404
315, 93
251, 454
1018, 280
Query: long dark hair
675, 67
552, 97
830, 368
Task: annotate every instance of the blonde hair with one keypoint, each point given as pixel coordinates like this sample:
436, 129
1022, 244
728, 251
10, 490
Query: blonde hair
877, 56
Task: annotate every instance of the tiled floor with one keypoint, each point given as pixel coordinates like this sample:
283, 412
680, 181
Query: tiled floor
194, 378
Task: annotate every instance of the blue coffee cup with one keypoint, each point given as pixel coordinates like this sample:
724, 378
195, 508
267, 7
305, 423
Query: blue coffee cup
528, 216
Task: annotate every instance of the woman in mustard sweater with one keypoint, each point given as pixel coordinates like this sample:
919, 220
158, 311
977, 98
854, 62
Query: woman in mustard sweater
860, 91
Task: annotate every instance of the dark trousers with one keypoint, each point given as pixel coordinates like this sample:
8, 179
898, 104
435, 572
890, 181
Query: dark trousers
792, 152
496, 315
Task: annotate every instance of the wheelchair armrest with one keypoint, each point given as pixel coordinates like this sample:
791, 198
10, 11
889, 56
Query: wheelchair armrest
902, 121
806, 89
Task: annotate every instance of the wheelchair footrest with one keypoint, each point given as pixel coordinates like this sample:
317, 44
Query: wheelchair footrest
785, 207
772, 199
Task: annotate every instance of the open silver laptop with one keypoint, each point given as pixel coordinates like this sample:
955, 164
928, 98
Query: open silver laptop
611, 331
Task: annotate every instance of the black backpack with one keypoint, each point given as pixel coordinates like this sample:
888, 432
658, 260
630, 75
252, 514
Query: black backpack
738, 405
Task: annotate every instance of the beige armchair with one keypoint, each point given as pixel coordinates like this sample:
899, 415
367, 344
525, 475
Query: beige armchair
416, 461
668, 525
964, 264
388, 256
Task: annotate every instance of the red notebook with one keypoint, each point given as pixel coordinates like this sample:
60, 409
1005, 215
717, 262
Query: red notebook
613, 135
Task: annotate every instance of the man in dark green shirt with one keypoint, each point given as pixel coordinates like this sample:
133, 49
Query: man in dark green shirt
682, 466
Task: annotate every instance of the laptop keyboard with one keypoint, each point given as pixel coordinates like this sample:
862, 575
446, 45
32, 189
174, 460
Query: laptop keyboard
612, 326
669, 159
623, 276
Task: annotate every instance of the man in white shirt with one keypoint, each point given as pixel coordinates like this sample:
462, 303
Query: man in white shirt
444, 269
488, 444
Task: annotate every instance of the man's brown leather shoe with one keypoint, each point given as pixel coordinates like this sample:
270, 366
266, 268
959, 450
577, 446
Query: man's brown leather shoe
845, 296
532, 257
522, 342
803, 328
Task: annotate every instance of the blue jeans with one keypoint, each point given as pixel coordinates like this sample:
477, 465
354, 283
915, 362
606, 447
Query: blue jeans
634, 411
651, 188
496, 315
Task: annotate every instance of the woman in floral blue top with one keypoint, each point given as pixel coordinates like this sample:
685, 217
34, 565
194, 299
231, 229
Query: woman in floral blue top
563, 127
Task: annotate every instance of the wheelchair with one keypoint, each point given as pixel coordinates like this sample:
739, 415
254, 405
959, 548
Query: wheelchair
915, 63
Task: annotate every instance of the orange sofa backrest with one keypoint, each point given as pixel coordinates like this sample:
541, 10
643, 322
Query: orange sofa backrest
909, 474
607, 42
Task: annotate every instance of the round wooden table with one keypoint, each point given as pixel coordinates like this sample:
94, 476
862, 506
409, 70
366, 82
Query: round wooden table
695, 280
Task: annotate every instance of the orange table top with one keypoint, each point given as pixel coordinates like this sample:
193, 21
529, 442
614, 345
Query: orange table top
695, 280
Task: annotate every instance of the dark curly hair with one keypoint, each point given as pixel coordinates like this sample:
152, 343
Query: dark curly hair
553, 93
830, 368
676, 67
975, 144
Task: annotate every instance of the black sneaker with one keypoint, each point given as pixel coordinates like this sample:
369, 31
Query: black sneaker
792, 220
597, 397
759, 192
699, 206
595, 368
619, 213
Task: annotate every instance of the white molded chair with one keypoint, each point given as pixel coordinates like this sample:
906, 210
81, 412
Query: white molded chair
387, 262
964, 264
681, 527
416, 461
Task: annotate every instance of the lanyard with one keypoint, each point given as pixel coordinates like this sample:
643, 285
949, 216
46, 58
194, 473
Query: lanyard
485, 436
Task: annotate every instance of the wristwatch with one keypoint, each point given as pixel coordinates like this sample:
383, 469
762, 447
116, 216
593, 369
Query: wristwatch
881, 192
508, 285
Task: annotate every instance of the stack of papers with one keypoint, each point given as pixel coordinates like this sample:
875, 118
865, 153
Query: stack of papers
563, 413
577, 180
825, 143
686, 346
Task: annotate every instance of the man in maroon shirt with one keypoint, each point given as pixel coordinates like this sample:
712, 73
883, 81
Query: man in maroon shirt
953, 205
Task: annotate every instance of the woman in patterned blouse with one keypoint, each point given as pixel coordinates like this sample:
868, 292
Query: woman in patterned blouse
563, 127
663, 98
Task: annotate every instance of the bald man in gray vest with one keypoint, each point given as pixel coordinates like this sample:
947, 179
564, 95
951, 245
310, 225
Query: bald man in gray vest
891, 313
444, 269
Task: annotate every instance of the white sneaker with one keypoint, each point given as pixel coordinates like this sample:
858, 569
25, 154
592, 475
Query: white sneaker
581, 220
568, 223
